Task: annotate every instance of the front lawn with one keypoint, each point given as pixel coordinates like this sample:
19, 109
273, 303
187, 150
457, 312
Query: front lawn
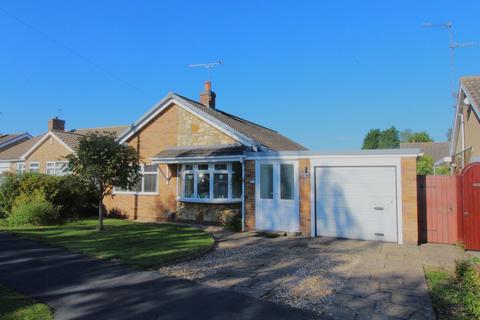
141, 245
14, 306
455, 296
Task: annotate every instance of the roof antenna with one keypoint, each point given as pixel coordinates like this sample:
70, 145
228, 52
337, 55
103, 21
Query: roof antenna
453, 46
209, 66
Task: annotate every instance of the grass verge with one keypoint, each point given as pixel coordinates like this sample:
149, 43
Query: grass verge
455, 296
140, 245
14, 306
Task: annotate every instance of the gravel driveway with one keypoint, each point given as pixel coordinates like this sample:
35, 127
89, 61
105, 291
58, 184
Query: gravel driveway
297, 271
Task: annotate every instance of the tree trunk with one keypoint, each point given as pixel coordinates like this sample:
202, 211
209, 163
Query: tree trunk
100, 215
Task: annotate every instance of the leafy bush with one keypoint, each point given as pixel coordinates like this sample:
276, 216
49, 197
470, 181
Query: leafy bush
424, 165
34, 209
234, 224
468, 277
67, 193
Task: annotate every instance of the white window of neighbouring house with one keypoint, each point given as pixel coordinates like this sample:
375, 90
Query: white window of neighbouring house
34, 167
20, 168
147, 184
211, 182
266, 181
56, 168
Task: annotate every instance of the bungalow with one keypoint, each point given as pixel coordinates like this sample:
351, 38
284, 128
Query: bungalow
465, 144
8, 141
45, 153
202, 164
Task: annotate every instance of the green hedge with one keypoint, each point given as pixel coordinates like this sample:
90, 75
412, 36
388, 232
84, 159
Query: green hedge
67, 194
34, 209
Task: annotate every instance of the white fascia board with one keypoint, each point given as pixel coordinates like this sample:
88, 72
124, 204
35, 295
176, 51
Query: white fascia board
260, 156
197, 159
44, 138
172, 98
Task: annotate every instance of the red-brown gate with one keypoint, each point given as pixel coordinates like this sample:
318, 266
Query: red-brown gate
471, 206
439, 208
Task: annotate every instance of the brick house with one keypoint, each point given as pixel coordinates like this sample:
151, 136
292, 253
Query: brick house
205, 165
202, 164
8, 141
465, 143
46, 153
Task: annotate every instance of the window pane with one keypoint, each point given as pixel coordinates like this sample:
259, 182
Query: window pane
220, 185
236, 180
150, 168
266, 181
188, 167
203, 185
34, 167
221, 166
286, 181
150, 183
203, 167
189, 185
61, 168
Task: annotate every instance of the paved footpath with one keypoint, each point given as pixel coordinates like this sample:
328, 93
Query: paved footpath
80, 287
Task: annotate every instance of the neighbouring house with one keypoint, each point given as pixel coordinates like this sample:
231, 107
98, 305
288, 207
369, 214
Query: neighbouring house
439, 151
465, 144
45, 153
202, 164
8, 141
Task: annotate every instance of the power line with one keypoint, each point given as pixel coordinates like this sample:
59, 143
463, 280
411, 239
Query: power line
71, 50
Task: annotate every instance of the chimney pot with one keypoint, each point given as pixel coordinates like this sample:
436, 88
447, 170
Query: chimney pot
207, 98
56, 124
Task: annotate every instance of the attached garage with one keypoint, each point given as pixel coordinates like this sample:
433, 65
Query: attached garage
367, 195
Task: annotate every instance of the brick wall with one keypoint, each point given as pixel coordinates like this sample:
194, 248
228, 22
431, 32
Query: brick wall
305, 196
249, 194
208, 212
409, 200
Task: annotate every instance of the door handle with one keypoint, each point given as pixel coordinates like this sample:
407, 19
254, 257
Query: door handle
466, 213
378, 208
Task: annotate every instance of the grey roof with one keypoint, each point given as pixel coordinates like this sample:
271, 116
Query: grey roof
15, 152
437, 150
9, 140
262, 135
116, 130
200, 151
472, 85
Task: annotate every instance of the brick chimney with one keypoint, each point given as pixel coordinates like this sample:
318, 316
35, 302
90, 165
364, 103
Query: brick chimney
207, 97
56, 124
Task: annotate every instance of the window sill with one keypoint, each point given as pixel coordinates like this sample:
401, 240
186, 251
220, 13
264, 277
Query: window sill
209, 200
135, 193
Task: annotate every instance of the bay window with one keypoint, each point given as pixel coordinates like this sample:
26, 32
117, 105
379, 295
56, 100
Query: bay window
147, 184
211, 182
20, 167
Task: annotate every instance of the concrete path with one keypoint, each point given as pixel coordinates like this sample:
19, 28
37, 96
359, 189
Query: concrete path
79, 287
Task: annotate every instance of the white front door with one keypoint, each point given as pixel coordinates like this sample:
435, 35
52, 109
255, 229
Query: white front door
356, 202
276, 205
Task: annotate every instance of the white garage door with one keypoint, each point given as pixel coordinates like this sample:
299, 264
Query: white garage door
356, 202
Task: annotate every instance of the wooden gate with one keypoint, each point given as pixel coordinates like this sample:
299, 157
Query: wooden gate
438, 208
471, 206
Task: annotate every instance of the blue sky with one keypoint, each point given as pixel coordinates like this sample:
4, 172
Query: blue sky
320, 72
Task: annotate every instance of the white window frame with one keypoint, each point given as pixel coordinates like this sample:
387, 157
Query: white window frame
20, 167
56, 168
143, 173
211, 171
35, 163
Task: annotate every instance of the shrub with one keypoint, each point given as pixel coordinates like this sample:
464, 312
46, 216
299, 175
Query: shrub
234, 224
35, 210
9, 190
67, 193
468, 278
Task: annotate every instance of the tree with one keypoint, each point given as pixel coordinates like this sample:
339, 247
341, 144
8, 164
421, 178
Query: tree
405, 135
421, 136
424, 165
372, 139
449, 134
102, 162
389, 139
